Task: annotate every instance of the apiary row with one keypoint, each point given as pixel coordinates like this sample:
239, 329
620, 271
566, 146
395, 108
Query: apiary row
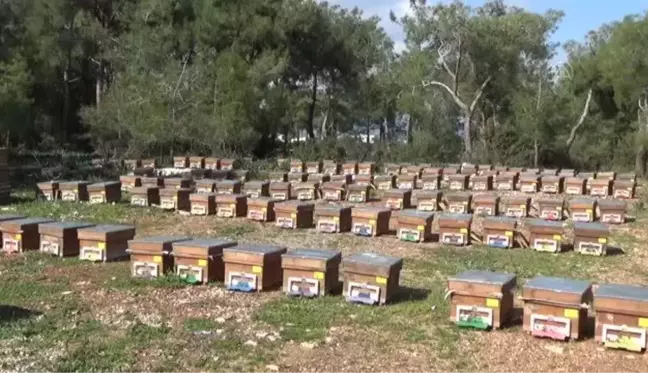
195, 162
555, 308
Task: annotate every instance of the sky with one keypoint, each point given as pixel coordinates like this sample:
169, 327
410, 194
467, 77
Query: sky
581, 16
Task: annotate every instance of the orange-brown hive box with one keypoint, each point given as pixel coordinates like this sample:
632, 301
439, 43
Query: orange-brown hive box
152, 181
296, 166
458, 202
567, 172
332, 218
582, 210
151, 256
346, 179
279, 176
74, 191
280, 191
487, 205
330, 167
227, 164
106, 192
398, 199
20, 235
458, 182
545, 235
175, 199
499, 231
600, 187
311, 272
550, 172
430, 181
104, 243
552, 184
205, 185
454, 229
177, 183
200, 260
231, 205
414, 225
591, 238
129, 182
7, 217
415, 169
517, 169
529, 183
609, 175
481, 299
556, 307
370, 221
358, 193
197, 162
294, 214
149, 163
60, 239
256, 189
295, 178
623, 189
428, 200
575, 185
612, 211
364, 179
132, 164
319, 178
350, 168
393, 168
407, 181
314, 167
334, 191
250, 268
621, 316
385, 182
203, 203
551, 209
261, 209
588, 177
517, 207
628, 176
181, 162
371, 278
501, 169
446, 172
482, 168
240, 175
506, 181
228, 187
306, 191
366, 168
482, 182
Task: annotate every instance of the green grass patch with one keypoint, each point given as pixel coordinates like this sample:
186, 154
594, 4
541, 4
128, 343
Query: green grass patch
198, 324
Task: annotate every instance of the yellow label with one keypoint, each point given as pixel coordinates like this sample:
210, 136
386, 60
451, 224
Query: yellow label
318, 275
157, 259
177, 186
175, 198
202, 262
557, 237
522, 206
420, 228
232, 205
336, 219
589, 211
257, 269
103, 193
381, 280
372, 222
602, 240
643, 322
571, 313
18, 237
463, 230
264, 210
508, 234
293, 216
101, 245
492, 302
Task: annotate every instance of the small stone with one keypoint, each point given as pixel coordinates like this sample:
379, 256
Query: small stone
202, 332
220, 331
250, 343
220, 320
328, 340
113, 278
272, 338
352, 317
308, 345
433, 308
555, 349
333, 328
289, 324
629, 357
261, 334
272, 368
66, 293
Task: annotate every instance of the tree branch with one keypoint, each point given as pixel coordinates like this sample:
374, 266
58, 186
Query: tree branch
572, 134
480, 92
455, 86
455, 97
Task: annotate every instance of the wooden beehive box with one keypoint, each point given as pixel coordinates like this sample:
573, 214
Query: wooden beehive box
149, 163
279, 177
196, 162
550, 172
627, 176
393, 168
200, 260
621, 316
332, 218
218, 175
294, 214
330, 167
74, 191
545, 235
458, 182
415, 169
346, 179
517, 169
358, 193
385, 182
430, 181
480, 299
364, 179
370, 221
350, 168
296, 166
556, 307
261, 209
501, 169
506, 181
552, 184
371, 278
181, 162
609, 175
454, 229
398, 199
529, 183
60, 239
228, 187
203, 203
482, 182
415, 225
446, 172
106, 192
468, 169
458, 202
487, 205
132, 164
567, 172
483, 168
104, 243
227, 164
280, 191
320, 178
623, 189
582, 210
256, 189
152, 182
432, 171
241, 175
551, 209
407, 181
145, 196
499, 231
307, 191
205, 185
612, 211
517, 207
20, 235
366, 168
175, 199
314, 167
129, 182
600, 187
591, 238
251, 268
310, 272
575, 185
231, 205
177, 183
151, 257
427, 200
295, 178
333, 191
7, 217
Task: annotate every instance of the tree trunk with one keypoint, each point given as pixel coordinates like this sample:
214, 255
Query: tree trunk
311, 109
383, 126
535, 151
66, 103
99, 84
467, 140
640, 164
409, 129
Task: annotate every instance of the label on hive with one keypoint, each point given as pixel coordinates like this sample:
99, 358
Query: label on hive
516, 212
430, 186
224, 191
549, 188
457, 185
622, 193
226, 167
258, 215
11, 245
612, 218
363, 229
624, 337
211, 166
358, 197
558, 328
394, 203
312, 170
295, 170
305, 195
49, 196
458, 208
409, 235
179, 164
551, 214
479, 186
279, 196
327, 226
405, 185
126, 187
591, 248
385, 185
505, 185
599, 191
582, 216
364, 171
529, 188
496, 240
474, 317
574, 190
168, 203
288, 223
204, 190
198, 209
69, 195
145, 270
253, 193
239, 281
333, 195
139, 201
92, 254
190, 274
363, 293
225, 212
453, 238
98, 198
50, 247
546, 245
330, 170
426, 205
484, 210
349, 171
303, 287
195, 165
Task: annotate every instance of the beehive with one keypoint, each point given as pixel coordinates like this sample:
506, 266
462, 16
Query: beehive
318, 178
623, 189
60, 239
600, 187
366, 168
458, 182
74, 191
175, 199
529, 183
149, 163
487, 205
501, 169
385, 182
20, 235
227, 187
346, 179
279, 177
307, 191
330, 167
364, 179
550, 172
621, 316
415, 169
407, 181
200, 260
393, 168
196, 162
7, 217
104, 243
310, 272
446, 172
517, 207
517, 169
432, 171
567, 172
551, 209
314, 167
582, 210
350, 168
555, 307
129, 182
181, 162
545, 235
280, 191
205, 185
177, 183
552, 184
144, 172
295, 178
507, 181
575, 185
149, 181
628, 176
480, 299
231, 205
261, 209
398, 199
612, 211
294, 214
250, 268
370, 221
468, 169
608, 175
483, 168
430, 181
458, 202
106, 192
454, 229
415, 225
332, 218
358, 193
499, 231
240, 175
227, 164
333, 191
371, 278
256, 189
151, 257
202, 203
591, 238
296, 166
482, 182
428, 200
132, 164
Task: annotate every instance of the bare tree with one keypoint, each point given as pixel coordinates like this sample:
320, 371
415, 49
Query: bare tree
581, 119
